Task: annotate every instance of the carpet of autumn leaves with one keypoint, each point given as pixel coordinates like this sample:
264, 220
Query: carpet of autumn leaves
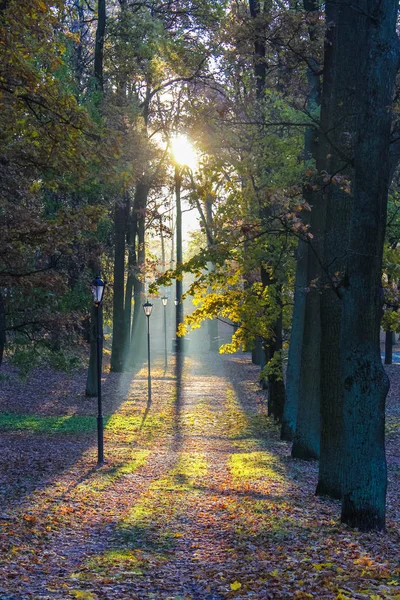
199, 499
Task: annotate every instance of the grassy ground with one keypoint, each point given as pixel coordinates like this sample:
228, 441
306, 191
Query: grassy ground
199, 498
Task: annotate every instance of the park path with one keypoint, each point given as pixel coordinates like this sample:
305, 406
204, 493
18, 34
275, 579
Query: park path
199, 500
158, 520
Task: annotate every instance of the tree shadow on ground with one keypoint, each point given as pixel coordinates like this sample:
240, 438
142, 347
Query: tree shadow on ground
37, 447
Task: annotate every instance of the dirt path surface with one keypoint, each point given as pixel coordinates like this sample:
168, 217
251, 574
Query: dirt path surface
199, 498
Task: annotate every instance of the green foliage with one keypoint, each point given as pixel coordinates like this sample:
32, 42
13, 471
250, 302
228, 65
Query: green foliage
25, 359
27, 355
273, 368
51, 152
64, 361
76, 299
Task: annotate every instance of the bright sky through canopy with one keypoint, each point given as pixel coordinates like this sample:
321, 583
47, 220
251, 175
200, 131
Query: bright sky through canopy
183, 151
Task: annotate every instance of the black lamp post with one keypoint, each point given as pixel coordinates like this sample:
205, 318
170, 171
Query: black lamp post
98, 286
148, 307
164, 301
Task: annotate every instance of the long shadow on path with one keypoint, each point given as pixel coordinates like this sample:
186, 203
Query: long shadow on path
51, 436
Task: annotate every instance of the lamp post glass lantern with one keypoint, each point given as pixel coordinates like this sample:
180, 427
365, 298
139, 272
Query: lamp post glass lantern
98, 286
148, 307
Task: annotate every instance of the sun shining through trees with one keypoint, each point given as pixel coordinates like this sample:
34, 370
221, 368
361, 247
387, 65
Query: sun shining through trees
183, 152
208, 151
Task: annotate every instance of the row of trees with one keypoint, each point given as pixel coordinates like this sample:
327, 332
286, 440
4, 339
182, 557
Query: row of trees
289, 109
336, 385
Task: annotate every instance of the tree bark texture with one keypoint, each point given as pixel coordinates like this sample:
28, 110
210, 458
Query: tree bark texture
388, 347
301, 283
131, 248
276, 387
99, 43
306, 443
2, 327
292, 394
338, 119
179, 256
213, 335
272, 350
372, 43
304, 359
138, 331
257, 351
118, 340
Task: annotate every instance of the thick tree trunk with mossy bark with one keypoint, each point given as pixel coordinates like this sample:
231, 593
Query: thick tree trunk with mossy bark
374, 47
338, 118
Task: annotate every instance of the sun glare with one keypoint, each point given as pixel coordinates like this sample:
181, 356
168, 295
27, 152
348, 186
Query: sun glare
183, 151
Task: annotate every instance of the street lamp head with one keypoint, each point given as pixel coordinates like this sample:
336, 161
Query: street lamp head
98, 286
147, 307
176, 301
164, 300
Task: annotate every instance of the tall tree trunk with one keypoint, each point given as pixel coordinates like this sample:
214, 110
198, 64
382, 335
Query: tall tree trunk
162, 246
338, 114
118, 339
388, 347
121, 222
79, 64
2, 327
258, 351
306, 443
373, 45
273, 346
292, 395
91, 381
131, 247
138, 321
179, 257
213, 323
99, 43
273, 352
